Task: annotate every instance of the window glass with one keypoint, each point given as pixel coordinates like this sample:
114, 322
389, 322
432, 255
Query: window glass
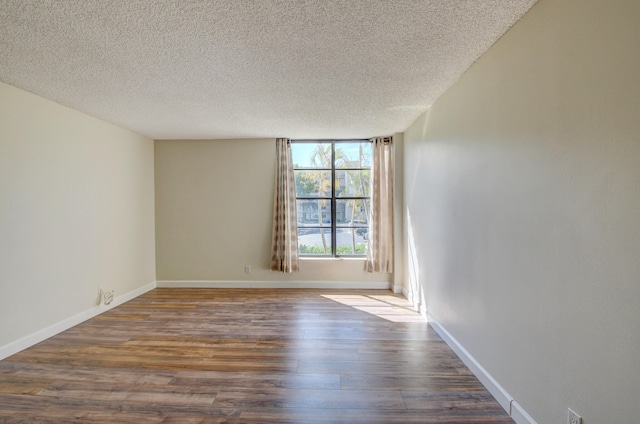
332, 194
352, 212
353, 155
311, 155
314, 241
312, 183
352, 241
352, 183
314, 212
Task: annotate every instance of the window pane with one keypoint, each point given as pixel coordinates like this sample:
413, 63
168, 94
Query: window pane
313, 183
308, 212
315, 186
351, 241
311, 155
352, 183
353, 155
353, 213
314, 241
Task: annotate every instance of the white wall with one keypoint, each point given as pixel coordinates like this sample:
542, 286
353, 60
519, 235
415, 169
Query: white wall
76, 212
523, 195
214, 208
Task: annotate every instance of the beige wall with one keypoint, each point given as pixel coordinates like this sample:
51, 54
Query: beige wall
76, 212
523, 195
214, 201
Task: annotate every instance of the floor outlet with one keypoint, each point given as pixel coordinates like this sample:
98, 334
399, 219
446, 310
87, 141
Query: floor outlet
573, 418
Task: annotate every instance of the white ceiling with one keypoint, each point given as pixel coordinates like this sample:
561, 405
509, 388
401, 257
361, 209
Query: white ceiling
186, 69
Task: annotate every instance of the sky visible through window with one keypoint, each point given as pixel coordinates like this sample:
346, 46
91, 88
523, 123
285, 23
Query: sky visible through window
332, 196
302, 153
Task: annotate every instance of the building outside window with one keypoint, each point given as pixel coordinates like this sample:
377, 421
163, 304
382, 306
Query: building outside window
332, 195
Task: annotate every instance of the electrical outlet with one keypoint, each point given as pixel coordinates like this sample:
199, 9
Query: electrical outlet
573, 418
247, 269
106, 297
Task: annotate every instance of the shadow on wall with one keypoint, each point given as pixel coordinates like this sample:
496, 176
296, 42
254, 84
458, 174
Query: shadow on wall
415, 293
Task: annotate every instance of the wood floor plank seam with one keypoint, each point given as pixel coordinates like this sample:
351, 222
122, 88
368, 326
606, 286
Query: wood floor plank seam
247, 356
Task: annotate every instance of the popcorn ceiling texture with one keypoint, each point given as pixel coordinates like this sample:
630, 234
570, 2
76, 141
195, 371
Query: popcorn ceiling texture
179, 69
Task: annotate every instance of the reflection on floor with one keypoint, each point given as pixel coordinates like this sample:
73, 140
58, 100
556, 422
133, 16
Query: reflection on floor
246, 356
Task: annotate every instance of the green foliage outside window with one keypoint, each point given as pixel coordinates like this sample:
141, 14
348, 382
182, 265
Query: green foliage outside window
332, 181
361, 249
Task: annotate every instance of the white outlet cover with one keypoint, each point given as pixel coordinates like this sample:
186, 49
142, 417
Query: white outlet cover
573, 418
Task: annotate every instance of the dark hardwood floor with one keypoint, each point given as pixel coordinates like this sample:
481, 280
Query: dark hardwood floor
246, 356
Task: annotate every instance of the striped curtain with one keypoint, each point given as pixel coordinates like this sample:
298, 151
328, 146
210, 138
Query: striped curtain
284, 246
380, 244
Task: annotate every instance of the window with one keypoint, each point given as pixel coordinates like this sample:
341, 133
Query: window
332, 196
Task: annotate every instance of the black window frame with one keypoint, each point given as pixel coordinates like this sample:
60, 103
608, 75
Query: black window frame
334, 198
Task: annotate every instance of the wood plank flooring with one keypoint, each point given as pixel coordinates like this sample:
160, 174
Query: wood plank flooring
246, 356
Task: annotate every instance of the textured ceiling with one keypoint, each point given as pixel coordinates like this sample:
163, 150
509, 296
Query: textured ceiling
178, 69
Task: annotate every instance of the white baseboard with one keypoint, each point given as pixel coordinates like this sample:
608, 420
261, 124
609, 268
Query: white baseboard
50, 331
273, 284
519, 415
505, 400
407, 294
422, 309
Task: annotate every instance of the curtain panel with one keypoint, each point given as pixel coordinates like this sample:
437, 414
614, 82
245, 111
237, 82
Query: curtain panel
284, 246
380, 244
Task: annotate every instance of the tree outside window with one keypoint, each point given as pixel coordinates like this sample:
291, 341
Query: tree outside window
332, 194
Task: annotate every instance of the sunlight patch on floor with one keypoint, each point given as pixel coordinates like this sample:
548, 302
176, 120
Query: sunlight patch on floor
391, 308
